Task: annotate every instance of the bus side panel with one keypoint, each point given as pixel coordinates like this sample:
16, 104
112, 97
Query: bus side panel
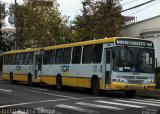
20, 77
66, 80
48, 75
51, 80
7, 69
86, 71
84, 82
5, 76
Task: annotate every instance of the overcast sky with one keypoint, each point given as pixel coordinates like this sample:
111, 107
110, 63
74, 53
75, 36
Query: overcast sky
72, 7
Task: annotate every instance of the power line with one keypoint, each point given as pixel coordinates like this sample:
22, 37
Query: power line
137, 11
137, 6
129, 2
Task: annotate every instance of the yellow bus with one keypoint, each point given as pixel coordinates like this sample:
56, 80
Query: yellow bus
117, 63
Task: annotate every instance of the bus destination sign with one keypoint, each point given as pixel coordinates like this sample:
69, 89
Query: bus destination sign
134, 42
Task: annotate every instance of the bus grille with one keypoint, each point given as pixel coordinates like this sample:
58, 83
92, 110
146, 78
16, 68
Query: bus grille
135, 81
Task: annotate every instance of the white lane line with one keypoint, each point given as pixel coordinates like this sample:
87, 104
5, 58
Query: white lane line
152, 99
27, 103
130, 101
145, 101
77, 108
5, 90
39, 89
120, 104
99, 106
50, 94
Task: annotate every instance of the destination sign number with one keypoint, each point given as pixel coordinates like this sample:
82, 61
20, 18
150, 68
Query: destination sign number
134, 42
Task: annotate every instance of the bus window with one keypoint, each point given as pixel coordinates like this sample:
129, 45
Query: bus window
27, 58
31, 55
87, 54
46, 57
1, 63
22, 58
17, 59
8, 61
97, 56
52, 57
13, 59
5, 59
67, 56
59, 56
108, 56
76, 55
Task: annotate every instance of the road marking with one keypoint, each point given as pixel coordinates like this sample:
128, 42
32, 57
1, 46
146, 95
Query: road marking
42, 110
19, 112
130, 101
39, 89
77, 108
51, 94
145, 101
99, 106
20, 104
153, 99
5, 90
120, 104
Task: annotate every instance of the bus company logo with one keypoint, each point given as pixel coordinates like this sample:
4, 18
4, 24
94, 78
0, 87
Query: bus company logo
147, 110
18, 68
65, 68
95, 68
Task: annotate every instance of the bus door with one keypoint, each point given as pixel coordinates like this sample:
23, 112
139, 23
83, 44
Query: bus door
38, 65
107, 68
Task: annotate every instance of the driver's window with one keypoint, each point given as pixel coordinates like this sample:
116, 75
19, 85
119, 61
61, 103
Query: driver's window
108, 56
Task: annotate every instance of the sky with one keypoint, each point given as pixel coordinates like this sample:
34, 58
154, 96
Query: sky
72, 8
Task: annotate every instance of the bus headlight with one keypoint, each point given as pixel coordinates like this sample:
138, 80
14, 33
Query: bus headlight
149, 81
121, 80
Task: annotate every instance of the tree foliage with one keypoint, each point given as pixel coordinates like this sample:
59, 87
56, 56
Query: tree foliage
99, 19
39, 25
2, 10
3, 45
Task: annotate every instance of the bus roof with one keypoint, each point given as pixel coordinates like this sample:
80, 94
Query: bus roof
90, 42
22, 51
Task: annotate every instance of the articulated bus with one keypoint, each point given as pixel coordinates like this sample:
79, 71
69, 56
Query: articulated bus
117, 63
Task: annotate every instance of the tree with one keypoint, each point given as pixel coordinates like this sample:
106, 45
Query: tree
99, 19
39, 25
2, 16
3, 45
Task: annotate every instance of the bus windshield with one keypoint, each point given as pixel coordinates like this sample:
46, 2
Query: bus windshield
134, 59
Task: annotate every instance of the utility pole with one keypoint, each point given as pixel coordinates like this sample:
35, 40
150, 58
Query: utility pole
15, 17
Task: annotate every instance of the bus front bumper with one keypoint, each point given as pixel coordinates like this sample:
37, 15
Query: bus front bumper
125, 86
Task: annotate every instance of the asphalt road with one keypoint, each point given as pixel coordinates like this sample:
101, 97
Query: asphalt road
45, 100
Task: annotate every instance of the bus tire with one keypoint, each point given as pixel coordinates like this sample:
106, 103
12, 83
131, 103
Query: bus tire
95, 86
130, 93
30, 79
12, 80
59, 83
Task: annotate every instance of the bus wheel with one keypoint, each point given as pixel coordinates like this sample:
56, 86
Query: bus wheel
29, 79
95, 86
59, 83
11, 79
130, 93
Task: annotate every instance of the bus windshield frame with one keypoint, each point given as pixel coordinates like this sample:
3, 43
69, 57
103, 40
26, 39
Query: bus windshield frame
134, 59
